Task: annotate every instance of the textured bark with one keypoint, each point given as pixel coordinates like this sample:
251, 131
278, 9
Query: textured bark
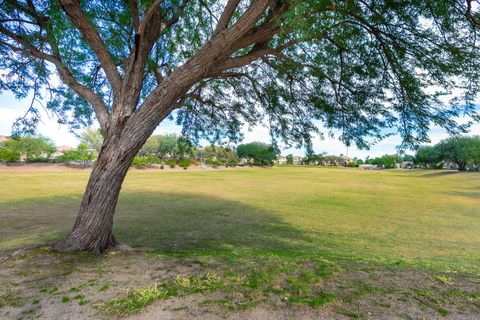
128, 126
93, 227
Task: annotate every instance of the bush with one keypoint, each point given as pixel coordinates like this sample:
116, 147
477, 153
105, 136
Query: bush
40, 160
212, 162
232, 162
184, 163
438, 165
353, 165
144, 161
9, 155
170, 163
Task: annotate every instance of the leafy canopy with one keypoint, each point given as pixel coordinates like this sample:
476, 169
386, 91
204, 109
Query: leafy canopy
170, 146
367, 68
29, 147
259, 152
428, 156
463, 151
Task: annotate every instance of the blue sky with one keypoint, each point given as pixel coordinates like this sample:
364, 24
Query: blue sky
10, 109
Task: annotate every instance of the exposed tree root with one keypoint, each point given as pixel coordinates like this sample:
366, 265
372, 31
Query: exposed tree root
27, 249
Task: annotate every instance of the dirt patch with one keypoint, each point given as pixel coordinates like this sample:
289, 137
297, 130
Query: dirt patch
48, 285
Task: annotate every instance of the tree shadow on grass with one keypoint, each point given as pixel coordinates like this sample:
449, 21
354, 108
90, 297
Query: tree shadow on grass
441, 173
191, 222
162, 221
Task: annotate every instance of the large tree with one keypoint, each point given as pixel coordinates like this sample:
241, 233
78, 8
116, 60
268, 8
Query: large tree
355, 65
428, 156
463, 151
258, 152
30, 147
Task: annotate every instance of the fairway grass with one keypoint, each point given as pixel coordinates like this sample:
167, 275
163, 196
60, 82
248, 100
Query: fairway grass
251, 243
428, 219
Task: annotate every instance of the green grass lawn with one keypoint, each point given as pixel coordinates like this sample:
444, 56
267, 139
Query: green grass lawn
428, 219
287, 242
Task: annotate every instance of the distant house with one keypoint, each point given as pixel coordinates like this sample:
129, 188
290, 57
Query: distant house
344, 161
3, 138
297, 160
407, 165
450, 165
366, 166
281, 160
60, 151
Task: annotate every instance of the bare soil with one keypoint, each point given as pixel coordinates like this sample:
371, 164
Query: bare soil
47, 285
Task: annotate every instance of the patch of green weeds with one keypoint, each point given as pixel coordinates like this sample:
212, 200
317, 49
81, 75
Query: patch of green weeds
137, 299
427, 299
362, 288
65, 299
443, 279
104, 287
349, 313
12, 299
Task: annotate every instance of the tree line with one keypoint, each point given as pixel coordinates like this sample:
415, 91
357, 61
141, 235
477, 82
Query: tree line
460, 152
168, 149
463, 152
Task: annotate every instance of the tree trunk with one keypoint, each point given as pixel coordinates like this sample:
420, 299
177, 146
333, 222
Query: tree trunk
93, 227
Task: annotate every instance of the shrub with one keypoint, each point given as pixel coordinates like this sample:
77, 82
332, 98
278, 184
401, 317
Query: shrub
212, 162
232, 162
9, 155
144, 161
353, 165
184, 163
40, 160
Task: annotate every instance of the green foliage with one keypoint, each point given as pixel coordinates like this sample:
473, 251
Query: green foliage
169, 146
212, 162
185, 163
29, 147
353, 165
290, 159
93, 138
8, 155
137, 299
145, 161
232, 162
257, 152
223, 155
428, 156
463, 151
362, 72
82, 153
386, 161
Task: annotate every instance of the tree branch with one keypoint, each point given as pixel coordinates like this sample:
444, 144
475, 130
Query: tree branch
134, 12
226, 16
89, 32
65, 75
149, 15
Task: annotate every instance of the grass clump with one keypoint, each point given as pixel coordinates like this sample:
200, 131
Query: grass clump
137, 299
12, 299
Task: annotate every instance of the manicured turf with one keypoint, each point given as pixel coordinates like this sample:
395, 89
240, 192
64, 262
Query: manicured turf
428, 219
